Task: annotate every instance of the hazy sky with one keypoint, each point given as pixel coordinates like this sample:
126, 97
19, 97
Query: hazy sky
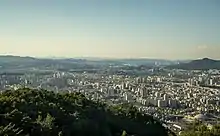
170, 29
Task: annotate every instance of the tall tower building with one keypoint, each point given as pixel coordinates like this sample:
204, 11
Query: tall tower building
143, 92
210, 82
165, 97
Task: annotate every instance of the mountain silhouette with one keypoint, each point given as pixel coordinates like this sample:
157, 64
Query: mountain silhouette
201, 64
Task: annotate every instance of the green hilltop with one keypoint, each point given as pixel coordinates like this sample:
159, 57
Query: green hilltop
28, 112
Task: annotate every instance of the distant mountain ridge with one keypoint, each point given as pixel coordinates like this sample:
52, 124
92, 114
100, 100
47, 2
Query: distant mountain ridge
133, 61
201, 64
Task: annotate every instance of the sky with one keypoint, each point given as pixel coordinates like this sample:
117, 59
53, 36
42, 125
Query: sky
165, 29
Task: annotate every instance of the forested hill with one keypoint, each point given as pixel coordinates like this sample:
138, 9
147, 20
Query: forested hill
201, 64
29, 112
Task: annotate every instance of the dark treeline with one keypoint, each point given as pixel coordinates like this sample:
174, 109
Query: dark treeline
28, 112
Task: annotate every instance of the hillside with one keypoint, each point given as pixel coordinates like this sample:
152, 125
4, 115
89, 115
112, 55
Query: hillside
201, 64
43, 113
30, 60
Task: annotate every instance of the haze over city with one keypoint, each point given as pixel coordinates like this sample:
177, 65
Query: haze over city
114, 29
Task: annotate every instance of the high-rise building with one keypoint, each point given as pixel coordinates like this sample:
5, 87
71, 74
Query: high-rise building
143, 80
138, 80
162, 103
111, 92
190, 81
143, 92
210, 82
157, 94
158, 79
123, 86
173, 103
165, 97
127, 85
128, 96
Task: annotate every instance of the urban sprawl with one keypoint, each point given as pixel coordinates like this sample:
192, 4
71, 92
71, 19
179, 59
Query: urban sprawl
173, 96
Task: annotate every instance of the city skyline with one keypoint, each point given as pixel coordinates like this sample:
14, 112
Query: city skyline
113, 29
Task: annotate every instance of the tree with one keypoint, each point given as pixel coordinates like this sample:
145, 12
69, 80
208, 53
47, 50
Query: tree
44, 113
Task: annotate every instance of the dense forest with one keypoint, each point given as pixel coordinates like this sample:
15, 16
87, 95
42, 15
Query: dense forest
28, 112
198, 128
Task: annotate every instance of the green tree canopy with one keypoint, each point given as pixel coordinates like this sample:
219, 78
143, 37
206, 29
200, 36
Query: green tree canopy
45, 113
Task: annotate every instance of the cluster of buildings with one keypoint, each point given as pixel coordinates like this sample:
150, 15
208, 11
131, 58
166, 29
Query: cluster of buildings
167, 96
